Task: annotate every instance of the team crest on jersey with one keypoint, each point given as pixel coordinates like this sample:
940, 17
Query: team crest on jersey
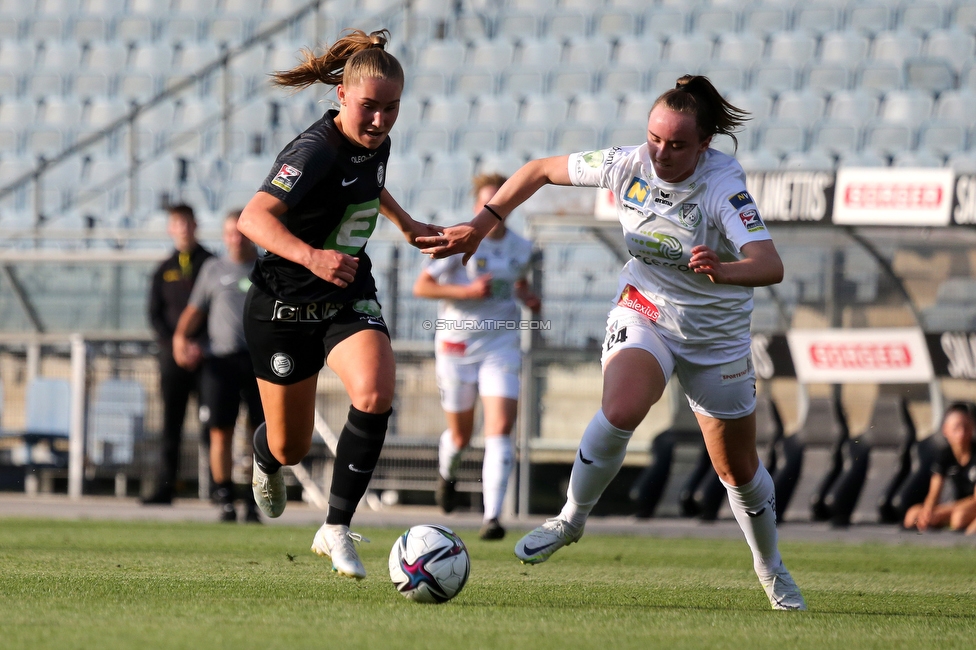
689, 215
751, 220
636, 193
482, 263
380, 174
286, 177
741, 199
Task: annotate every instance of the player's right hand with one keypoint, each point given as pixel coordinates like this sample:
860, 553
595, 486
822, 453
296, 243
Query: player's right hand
333, 266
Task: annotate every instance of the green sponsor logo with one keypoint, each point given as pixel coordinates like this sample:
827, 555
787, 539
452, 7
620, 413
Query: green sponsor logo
368, 307
661, 245
354, 228
593, 158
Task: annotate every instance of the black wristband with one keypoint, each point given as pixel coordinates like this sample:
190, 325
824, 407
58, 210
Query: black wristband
492, 210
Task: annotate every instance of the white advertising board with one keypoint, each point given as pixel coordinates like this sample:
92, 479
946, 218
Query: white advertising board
893, 197
860, 356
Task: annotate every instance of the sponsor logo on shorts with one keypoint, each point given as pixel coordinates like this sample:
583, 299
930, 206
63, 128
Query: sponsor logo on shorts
312, 312
380, 174
631, 298
735, 371
286, 177
751, 220
369, 307
740, 200
636, 193
282, 364
689, 215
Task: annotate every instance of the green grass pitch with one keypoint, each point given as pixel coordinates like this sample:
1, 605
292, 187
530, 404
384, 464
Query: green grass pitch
160, 585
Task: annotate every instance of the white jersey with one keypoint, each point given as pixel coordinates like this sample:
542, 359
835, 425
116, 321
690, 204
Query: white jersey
469, 328
662, 222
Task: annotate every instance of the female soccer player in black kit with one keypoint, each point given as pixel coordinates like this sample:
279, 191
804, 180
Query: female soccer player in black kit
313, 299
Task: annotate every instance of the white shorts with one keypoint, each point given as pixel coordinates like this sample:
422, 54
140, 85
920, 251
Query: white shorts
725, 391
460, 380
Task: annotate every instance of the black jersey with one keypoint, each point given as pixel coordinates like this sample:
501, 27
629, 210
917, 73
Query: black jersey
963, 479
332, 189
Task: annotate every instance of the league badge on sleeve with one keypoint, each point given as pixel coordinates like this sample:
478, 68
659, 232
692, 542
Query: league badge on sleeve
286, 177
751, 220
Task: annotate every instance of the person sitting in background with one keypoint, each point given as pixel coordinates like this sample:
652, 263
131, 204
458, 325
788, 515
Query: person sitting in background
955, 463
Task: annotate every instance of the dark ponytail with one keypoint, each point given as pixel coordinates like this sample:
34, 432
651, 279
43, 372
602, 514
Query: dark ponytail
695, 95
354, 57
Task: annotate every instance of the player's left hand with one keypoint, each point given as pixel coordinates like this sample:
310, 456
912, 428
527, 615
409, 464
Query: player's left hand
462, 238
705, 260
416, 229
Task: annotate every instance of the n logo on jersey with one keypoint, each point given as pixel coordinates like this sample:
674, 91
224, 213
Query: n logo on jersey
741, 199
286, 177
637, 193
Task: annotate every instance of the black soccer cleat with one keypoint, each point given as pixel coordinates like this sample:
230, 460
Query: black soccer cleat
446, 494
491, 529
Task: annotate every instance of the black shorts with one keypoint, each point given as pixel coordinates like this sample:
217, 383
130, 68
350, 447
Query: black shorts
224, 383
290, 342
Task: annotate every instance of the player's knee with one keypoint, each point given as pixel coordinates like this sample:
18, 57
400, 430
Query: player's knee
959, 519
375, 400
622, 415
290, 452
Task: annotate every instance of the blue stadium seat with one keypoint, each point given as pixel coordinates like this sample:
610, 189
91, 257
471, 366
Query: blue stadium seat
871, 17
794, 48
954, 44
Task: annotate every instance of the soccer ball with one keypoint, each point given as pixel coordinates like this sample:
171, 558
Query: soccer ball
429, 564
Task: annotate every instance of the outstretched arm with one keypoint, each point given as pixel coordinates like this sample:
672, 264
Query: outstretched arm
428, 287
410, 228
465, 237
760, 266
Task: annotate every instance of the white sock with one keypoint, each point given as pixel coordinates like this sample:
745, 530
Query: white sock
754, 507
495, 472
603, 447
448, 456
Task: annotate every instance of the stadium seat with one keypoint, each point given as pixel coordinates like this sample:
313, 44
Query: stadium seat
569, 137
626, 133
878, 77
942, 136
835, 137
595, 110
615, 23
817, 18
782, 136
921, 16
570, 80
758, 160
826, 78
136, 28
772, 77
449, 110
957, 106
473, 139
802, 106
688, 50
853, 106
446, 56
758, 104
811, 462
813, 160
619, 80
714, 20
514, 24
896, 46
565, 23
870, 17
909, 107
662, 22
744, 50
638, 51
424, 82
426, 139
662, 77
524, 81
794, 48
953, 44
764, 19
888, 138
862, 158
589, 54
531, 140
544, 109
115, 421
473, 82
494, 54
929, 74
847, 48
505, 162
499, 110
453, 169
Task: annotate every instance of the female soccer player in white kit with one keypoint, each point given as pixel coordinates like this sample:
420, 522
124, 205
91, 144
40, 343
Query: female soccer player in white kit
684, 301
477, 352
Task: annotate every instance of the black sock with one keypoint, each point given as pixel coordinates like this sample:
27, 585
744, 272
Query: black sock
360, 444
262, 454
224, 492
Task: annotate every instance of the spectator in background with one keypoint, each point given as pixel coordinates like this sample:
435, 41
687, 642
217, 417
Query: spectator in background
227, 376
485, 361
168, 295
955, 463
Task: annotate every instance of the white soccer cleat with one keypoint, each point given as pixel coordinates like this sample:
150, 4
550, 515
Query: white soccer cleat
269, 491
782, 590
336, 542
545, 540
